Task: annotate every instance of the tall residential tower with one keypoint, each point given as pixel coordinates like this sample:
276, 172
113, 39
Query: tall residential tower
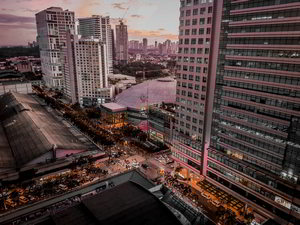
52, 27
98, 27
121, 43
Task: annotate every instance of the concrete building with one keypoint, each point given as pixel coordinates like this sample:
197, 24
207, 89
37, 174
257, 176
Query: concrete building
196, 67
145, 45
91, 70
254, 146
161, 123
133, 44
121, 43
52, 26
98, 27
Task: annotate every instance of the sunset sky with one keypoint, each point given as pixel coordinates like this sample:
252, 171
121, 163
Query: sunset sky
153, 19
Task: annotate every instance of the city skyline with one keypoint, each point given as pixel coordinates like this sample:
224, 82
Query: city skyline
17, 17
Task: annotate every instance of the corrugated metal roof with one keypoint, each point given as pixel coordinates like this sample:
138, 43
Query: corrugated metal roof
30, 131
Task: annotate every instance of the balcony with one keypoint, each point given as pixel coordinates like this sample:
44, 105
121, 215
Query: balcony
264, 59
265, 34
261, 82
263, 46
286, 20
266, 8
262, 126
265, 71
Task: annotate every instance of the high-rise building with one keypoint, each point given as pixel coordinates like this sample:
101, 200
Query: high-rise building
98, 27
155, 45
121, 43
254, 150
91, 70
52, 27
71, 84
145, 45
133, 44
196, 68
113, 45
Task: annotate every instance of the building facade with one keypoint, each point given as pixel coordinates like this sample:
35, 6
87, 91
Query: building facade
91, 70
196, 69
121, 43
145, 45
52, 26
254, 149
98, 27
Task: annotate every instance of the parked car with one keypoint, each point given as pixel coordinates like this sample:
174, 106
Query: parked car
205, 195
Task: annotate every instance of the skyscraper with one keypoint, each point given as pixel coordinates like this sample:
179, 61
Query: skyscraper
145, 45
113, 45
196, 68
121, 43
52, 27
98, 27
91, 70
254, 149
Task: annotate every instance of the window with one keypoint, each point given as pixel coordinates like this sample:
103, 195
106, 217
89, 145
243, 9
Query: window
187, 32
201, 31
193, 41
194, 31
187, 22
200, 41
202, 21
210, 9
209, 20
194, 22
188, 12
202, 11
195, 12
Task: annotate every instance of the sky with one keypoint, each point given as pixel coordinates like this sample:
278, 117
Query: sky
153, 19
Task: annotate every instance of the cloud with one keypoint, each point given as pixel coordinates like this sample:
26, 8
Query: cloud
18, 26
9, 18
152, 34
136, 16
31, 10
120, 5
161, 29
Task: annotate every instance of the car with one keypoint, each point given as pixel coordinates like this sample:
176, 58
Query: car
216, 203
205, 195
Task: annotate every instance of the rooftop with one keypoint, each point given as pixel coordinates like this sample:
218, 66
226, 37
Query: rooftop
128, 203
148, 93
113, 107
28, 131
